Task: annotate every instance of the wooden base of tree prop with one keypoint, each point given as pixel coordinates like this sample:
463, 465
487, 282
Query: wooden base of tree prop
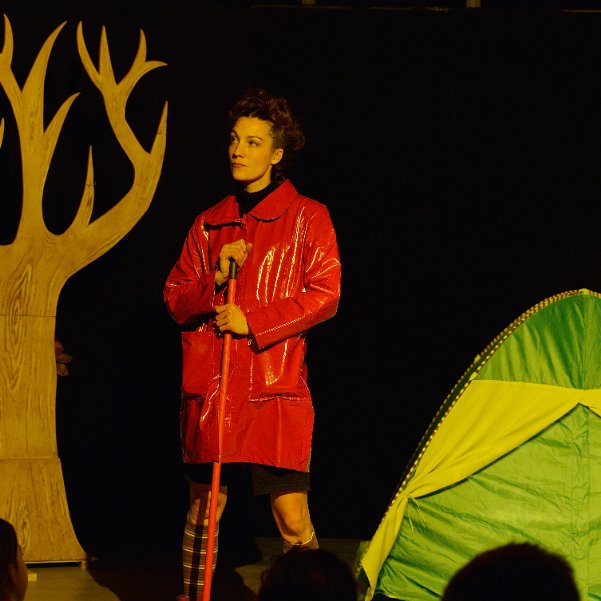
33, 270
43, 522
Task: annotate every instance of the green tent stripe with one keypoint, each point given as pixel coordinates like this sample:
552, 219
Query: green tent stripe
555, 346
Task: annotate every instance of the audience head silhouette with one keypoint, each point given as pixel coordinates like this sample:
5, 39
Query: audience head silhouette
516, 572
317, 575
13, 573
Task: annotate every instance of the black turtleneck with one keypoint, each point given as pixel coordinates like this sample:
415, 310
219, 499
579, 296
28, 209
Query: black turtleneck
247, 201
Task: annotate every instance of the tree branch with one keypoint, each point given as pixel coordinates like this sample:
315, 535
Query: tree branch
86, 240
37, 144
83, 241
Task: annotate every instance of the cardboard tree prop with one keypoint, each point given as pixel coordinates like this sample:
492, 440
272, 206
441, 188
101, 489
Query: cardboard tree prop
34, 268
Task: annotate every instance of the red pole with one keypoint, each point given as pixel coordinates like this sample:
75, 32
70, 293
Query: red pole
224, 377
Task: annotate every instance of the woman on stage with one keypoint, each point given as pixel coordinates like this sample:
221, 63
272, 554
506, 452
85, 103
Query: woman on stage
284, 246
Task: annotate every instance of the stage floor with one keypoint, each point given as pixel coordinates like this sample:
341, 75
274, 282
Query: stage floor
159, 579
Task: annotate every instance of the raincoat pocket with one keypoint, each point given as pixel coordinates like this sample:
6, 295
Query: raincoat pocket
279, 371
197, 363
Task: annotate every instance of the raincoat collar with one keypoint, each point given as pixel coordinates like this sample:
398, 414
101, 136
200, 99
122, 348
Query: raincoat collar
270, 208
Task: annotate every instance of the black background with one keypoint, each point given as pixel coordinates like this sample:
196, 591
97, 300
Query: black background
458, 152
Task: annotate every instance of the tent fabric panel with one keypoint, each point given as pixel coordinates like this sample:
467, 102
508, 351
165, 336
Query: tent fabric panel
538, 492
559, 345
475, 433
594, 533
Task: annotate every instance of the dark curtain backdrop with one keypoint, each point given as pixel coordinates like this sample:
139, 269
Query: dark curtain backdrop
458, 152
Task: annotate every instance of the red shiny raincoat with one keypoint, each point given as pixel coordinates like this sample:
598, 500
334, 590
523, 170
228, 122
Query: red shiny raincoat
289, 282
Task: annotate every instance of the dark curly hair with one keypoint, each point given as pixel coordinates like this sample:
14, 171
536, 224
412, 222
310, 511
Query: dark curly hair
8, 552
285, 128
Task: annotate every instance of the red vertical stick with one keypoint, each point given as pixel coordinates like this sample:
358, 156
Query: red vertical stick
223, 381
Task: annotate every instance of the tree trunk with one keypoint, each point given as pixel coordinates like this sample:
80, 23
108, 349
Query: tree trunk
33, 495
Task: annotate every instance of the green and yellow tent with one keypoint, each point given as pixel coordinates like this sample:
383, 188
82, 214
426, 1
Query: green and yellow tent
513, 455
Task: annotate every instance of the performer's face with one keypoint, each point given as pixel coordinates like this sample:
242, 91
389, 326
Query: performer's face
252, 154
